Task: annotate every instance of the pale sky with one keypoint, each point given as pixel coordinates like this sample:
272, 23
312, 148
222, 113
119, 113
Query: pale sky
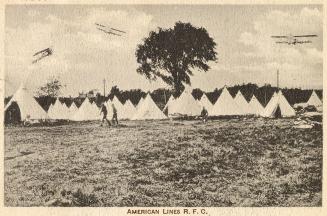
84, 56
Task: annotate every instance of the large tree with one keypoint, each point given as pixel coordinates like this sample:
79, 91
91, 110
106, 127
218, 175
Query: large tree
51, 88
173, 54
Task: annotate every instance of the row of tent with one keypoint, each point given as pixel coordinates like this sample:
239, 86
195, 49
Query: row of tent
90, 111
146, 109
185, 105
226, 105
24, 105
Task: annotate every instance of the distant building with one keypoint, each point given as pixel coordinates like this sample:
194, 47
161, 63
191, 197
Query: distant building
90, 94
82, 95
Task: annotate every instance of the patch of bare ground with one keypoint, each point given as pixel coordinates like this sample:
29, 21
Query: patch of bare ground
226, 162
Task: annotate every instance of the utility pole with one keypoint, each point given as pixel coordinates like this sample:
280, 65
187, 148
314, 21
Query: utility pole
277, 79
104, 87
265, 94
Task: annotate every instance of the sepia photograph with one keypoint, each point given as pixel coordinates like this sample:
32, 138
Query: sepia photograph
163, 105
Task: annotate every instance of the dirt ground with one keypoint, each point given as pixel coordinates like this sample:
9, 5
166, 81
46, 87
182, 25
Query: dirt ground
226, 162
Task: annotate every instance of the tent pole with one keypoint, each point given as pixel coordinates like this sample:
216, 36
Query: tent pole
165, 96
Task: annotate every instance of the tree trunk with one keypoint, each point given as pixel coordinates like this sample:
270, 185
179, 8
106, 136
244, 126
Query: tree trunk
177, 85
177, 82
177, 88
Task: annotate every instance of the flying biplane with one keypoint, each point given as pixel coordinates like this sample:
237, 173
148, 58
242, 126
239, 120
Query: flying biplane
41, 54
293, 39
109, 30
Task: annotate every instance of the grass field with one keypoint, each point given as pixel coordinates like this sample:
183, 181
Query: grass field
226, 162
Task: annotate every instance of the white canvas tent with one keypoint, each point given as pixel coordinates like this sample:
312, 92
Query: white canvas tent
66, 108
242, 104
50, 107
185, 105
119, 107
225, 105
140, 102
205, 102
314, 100
95, 106
116, 102
58, 111
169, 102
72, 110
28, 106
86, 112
256, 107
108, 104
129, 110
278, 106
124, 111
148, 110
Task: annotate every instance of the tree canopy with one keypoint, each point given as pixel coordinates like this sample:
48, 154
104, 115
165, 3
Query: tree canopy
173, 54
51, 88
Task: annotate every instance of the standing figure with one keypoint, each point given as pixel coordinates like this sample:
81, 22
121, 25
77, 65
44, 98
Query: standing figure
204, 115
105, 112
114, 115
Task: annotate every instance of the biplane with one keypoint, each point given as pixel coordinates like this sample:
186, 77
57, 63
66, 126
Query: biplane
109, 30
293, 39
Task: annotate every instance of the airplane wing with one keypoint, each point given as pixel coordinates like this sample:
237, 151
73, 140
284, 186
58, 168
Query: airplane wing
99, 25
47, 50
42, 54
103, 26
305, 36
285, 42
108, 32
118, 30
301, 42
276, 36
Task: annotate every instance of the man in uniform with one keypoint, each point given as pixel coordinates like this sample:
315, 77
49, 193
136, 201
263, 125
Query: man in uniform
204, 115
105, 112
114, 115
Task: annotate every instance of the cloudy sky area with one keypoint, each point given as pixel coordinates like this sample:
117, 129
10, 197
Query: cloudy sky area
84, 56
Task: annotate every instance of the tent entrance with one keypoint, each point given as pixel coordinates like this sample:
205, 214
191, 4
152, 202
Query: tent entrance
12, 114
278, 112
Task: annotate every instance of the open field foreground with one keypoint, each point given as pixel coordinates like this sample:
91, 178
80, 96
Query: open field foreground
226, 162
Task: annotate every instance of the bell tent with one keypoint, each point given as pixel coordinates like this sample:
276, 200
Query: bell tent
256, 107
73, 108
86, 112
129, 110
278, 106
148, 110
314, 100
169, 102
242, 104
58, 111
140, 102
185, 105
95, 105
205, 102
119, 107
225, 105
23, 106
